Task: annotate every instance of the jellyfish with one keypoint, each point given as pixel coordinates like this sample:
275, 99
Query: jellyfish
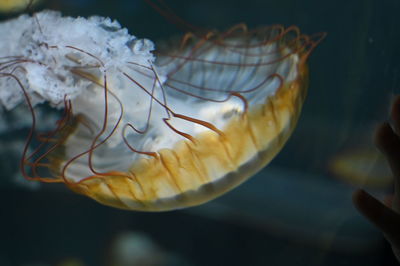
152, 130
10, 6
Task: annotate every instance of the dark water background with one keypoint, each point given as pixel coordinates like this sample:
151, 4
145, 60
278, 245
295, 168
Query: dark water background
294, 212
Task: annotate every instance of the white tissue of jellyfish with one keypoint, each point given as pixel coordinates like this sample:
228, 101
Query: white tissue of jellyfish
152, 131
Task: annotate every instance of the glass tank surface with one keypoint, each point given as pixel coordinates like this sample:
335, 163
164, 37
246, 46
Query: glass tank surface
295, 211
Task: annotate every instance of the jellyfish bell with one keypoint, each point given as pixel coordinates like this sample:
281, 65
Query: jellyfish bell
13, 6
155, 130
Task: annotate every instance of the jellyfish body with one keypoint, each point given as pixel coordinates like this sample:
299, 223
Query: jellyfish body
162, 131
10, 6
